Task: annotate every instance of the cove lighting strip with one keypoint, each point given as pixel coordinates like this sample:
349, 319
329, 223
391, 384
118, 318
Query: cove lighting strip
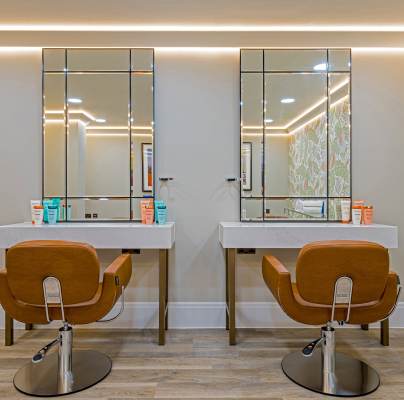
197, 28
110, 135
291, 133
206, 49
61, 112
303, 114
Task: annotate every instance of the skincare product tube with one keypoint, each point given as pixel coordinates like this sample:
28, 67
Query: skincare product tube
56, 202
157, 204
356, 215
46, 204
53, 212
368, 215
33, 204
38, 215
145, 204
345, 210
361, 204
161, 214
149, 214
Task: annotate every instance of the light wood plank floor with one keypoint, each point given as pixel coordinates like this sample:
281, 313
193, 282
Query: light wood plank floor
200, 365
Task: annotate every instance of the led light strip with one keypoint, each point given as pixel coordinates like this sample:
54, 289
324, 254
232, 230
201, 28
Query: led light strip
118, 134
109, 128
61, 112
342, 99
141, 128
198, 28
303, 114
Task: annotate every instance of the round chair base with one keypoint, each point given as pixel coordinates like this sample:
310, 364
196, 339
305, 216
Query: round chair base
352, 377
41, 379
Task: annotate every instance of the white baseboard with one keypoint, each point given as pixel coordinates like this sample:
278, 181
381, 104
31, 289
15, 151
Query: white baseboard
202, 315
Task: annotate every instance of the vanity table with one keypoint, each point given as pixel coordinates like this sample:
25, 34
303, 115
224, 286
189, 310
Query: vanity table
244, 235
123, 236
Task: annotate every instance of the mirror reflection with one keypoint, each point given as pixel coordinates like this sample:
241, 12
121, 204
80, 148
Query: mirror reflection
98, 133
295, 137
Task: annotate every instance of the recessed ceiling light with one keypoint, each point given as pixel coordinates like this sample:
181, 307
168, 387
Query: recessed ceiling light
320, 67
269, 120
100, 120
288, 100
74, 100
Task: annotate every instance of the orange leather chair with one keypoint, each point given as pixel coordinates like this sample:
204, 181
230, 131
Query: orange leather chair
336, 282
48, 281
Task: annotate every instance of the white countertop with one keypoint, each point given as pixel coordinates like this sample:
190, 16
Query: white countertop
101, 235
278, 235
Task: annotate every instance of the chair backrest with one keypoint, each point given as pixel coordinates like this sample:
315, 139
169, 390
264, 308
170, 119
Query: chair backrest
320, 264
75, 265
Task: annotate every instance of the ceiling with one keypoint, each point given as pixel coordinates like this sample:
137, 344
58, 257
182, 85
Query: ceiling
204, 12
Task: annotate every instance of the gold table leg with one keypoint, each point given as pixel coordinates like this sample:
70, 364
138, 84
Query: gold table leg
9, 330
227, 289
231, 292
384, 332
163, 294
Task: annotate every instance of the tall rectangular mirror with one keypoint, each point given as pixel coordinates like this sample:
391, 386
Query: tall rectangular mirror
295, 134
98, 131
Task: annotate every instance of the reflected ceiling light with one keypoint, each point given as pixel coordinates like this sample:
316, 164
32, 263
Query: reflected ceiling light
285, 134
257, 127
74, 100
341, 100
84, 112
318, 104
339, 86
288, 100
305, 112
269, 120
122, 127
332, 105
109, 135
100, 120
320, 67
307, 123
78, 111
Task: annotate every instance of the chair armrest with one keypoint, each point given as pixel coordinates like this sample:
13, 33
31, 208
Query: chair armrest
120, 270
276, 276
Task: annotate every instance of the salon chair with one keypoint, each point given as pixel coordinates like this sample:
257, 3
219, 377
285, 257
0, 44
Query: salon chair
337, 282
48, 281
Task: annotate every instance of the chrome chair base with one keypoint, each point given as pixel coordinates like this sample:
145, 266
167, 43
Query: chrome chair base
351, 378
41, 379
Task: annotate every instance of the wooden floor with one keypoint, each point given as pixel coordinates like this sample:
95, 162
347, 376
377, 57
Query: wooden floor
201, 365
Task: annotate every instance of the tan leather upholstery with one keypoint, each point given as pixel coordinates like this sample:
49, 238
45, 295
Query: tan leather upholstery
76, 266
319, 265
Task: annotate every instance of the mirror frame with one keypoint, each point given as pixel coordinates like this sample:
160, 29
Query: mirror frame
130, 71
263, 198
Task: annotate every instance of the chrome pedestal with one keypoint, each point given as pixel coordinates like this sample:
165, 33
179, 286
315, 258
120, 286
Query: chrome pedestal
327, 372
88, 368
62, 372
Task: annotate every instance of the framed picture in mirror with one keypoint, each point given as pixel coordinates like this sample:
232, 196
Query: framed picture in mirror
147, 167
246, 166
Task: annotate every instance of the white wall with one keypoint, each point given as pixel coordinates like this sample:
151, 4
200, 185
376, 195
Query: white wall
197, 138
20, 133
197, 142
